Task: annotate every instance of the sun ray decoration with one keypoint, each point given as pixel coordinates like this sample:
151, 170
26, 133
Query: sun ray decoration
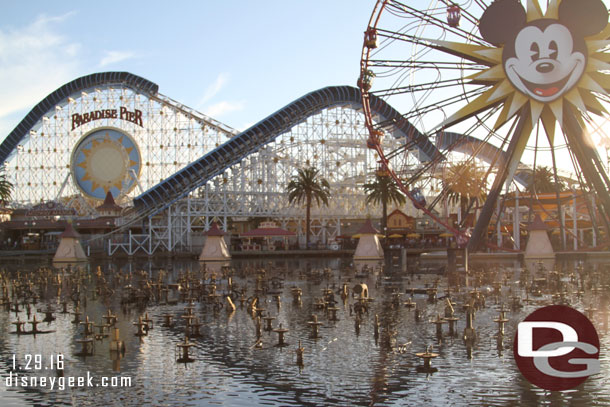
105, 160
547, 67
592, 81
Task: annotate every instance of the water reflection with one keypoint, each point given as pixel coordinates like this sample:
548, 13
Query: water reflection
234, 367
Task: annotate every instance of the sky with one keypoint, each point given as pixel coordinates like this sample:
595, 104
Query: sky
237, 61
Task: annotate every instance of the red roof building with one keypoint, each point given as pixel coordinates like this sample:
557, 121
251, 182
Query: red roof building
268, 229
368, 229
109, 207
70, 232
214, 230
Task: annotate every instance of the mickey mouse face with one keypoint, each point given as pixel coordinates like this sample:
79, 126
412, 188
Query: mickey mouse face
545, 64
543, 58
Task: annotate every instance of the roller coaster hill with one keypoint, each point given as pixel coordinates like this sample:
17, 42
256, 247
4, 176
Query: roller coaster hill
137, 172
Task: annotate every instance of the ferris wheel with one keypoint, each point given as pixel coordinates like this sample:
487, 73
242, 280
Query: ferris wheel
501, 90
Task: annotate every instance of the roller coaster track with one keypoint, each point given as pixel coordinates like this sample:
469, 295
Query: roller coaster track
196, 174
123, 79
60, 95
199, 172
485, 151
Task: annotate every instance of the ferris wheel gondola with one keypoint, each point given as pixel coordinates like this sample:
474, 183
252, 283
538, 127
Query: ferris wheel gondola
500, 90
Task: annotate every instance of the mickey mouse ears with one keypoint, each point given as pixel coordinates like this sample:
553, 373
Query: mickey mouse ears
503, 19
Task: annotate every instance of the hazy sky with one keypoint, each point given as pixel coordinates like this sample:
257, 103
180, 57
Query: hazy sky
237, 61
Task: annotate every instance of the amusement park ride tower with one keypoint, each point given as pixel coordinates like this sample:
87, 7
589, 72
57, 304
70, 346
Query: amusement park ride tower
457, 105
173, 171
498, 85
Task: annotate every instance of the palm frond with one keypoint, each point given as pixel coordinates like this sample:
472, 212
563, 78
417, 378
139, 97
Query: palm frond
6, 187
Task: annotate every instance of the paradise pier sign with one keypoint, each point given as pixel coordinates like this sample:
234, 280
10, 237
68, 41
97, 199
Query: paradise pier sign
122, 113
50, 208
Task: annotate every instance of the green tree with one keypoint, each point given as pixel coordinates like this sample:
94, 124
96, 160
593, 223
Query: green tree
383, 190
305, 187
6, 188
543, 182
464, 184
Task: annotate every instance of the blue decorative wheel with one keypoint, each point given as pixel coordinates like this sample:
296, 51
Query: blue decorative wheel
106, 159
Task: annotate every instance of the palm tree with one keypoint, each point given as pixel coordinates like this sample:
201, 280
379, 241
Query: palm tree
464, 185
305, 187
6, 188
543, 181
383, 190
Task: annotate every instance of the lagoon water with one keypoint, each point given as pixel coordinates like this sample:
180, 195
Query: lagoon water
341, 368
